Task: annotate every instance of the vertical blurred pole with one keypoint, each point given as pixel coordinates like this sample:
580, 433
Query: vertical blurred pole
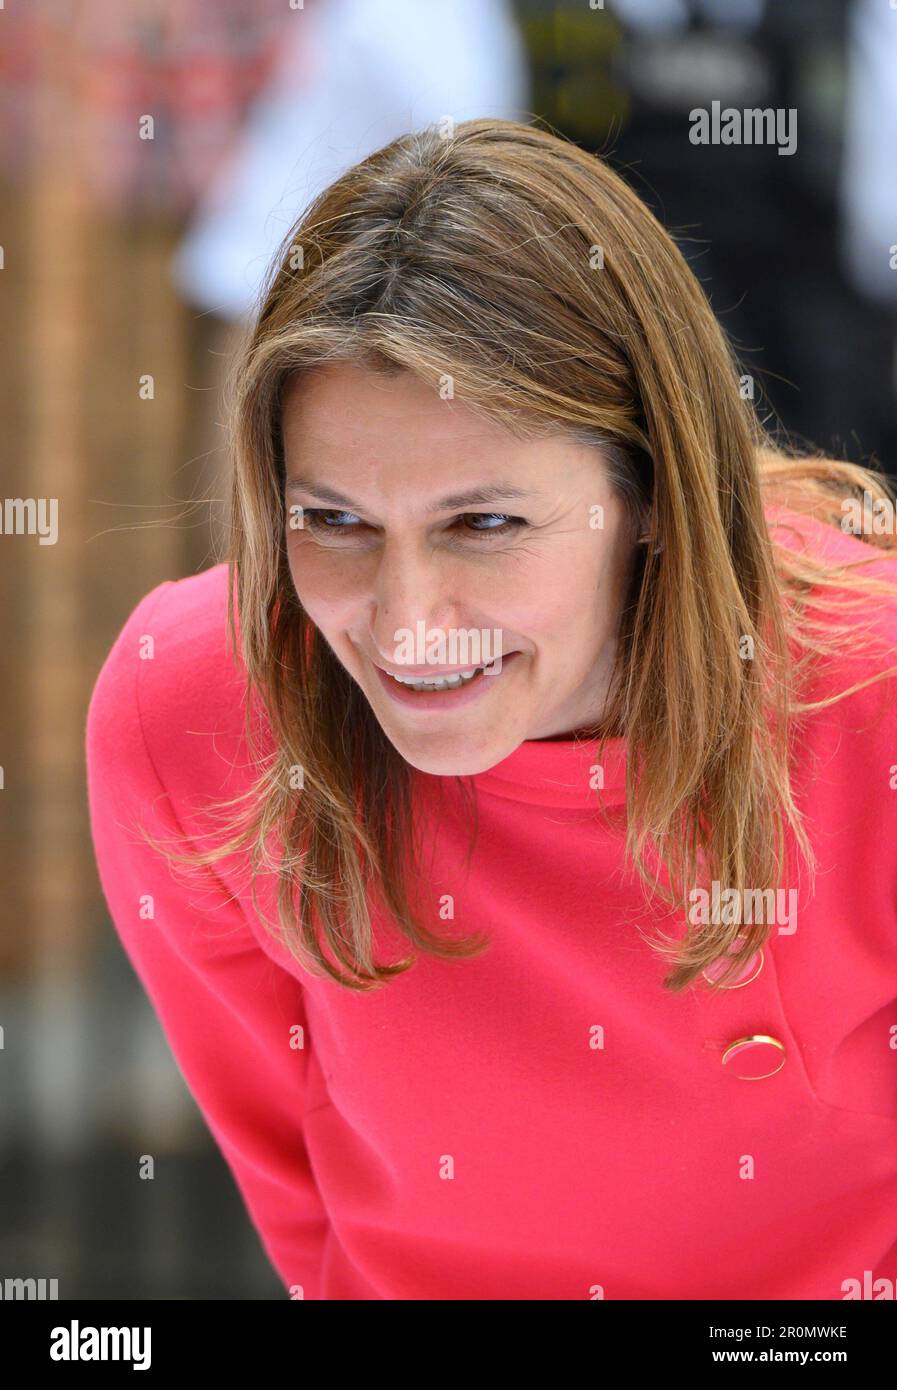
102, 316
159, 472
58, 233
96, 316
15, 954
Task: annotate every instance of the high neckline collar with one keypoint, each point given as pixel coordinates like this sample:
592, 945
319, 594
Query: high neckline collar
562, 772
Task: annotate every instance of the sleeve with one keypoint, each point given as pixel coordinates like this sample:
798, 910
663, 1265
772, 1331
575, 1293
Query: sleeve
227, 1009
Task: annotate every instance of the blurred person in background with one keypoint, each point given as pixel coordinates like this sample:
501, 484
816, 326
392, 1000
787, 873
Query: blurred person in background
783, 246
352, 76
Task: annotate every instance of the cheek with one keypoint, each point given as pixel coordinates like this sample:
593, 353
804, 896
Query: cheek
571, 607
562, 592
327, 584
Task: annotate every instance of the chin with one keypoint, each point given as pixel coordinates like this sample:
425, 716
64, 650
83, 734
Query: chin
453, 757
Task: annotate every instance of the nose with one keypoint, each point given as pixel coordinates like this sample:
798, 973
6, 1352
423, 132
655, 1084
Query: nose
411, 585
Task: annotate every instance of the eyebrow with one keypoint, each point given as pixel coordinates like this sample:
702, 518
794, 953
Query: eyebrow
452, 501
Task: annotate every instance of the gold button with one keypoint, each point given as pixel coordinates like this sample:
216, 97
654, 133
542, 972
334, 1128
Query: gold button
755, 1057
750, 970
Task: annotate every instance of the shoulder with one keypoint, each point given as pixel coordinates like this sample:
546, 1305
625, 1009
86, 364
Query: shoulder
170, 696
852, 736
807, 536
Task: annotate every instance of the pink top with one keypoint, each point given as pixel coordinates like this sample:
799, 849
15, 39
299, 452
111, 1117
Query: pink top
546, 1121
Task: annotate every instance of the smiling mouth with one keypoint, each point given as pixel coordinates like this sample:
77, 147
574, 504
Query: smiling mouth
429, 685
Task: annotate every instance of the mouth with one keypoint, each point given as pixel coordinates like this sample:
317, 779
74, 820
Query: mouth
449, 682
458, 687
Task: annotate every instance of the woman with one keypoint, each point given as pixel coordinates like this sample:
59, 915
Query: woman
574, 974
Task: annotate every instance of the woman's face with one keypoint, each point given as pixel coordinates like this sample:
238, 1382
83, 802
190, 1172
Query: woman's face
432, 542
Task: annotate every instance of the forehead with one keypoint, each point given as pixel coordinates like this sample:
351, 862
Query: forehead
362, 438
340, 406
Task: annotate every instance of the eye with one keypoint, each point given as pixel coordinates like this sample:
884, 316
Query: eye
324, 519
506, 524
338, 525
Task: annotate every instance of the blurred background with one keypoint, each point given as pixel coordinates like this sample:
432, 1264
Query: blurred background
152, 156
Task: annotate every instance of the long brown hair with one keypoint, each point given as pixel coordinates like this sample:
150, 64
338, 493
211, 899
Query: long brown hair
507, 261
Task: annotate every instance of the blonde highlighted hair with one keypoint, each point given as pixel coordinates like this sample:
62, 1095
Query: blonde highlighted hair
526, 270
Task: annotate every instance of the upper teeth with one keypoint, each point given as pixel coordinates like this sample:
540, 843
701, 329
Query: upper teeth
436, 682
